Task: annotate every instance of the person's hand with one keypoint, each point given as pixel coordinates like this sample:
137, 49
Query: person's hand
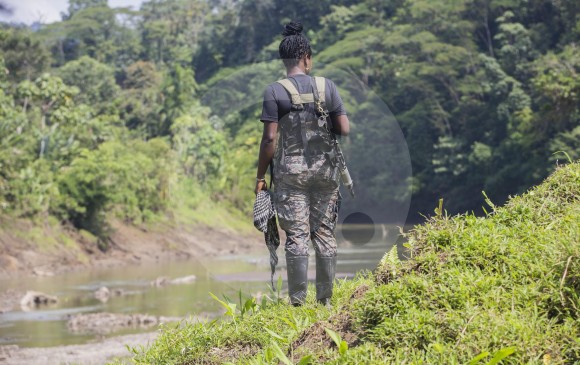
260, 185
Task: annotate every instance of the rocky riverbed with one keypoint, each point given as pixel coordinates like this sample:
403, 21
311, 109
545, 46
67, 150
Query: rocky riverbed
97, 353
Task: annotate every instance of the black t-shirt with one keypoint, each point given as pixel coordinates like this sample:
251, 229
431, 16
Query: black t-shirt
277, 103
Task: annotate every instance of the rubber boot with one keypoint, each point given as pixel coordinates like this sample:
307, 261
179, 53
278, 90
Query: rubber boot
325, 271
297, 267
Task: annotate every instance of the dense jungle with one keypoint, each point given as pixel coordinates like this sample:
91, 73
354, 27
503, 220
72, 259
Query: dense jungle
102, 113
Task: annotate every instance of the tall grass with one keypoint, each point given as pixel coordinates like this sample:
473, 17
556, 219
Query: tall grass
476, 290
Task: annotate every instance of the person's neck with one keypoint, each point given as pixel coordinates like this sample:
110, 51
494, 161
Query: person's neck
295, 71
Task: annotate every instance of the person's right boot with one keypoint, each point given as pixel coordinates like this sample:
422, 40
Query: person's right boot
297, 267
325, 272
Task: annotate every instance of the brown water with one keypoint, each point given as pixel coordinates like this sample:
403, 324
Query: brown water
224, 275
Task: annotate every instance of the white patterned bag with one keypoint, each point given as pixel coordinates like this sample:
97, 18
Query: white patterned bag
265, 221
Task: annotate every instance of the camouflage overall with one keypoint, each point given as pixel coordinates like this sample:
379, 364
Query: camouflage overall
306, 188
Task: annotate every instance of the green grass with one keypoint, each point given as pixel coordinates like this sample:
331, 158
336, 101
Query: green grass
499, 289
194, 206
44, 236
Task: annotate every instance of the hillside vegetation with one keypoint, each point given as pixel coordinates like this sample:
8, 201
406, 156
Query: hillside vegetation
474, 290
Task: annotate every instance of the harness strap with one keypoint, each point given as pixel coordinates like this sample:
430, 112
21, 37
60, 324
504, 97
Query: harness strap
321, 86
297, 98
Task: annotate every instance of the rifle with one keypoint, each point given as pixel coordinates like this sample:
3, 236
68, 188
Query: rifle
337, 154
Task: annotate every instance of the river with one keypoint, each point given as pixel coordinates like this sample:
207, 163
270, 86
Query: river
224, 275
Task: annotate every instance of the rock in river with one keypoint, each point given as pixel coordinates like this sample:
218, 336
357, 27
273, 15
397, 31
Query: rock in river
162, 281
103, 293
33, 299
102, 323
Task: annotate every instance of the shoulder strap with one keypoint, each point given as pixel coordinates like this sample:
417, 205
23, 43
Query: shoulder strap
297, 98
321, 86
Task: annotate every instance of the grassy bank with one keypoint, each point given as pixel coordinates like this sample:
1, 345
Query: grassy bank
194, 224
194, 207
475, 290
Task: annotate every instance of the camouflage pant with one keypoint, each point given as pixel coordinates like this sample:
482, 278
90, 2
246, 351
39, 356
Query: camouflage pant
307, 205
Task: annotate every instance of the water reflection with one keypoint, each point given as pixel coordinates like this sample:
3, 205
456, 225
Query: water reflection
224, 275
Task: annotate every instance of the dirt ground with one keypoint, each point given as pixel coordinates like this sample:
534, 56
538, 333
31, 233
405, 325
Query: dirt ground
88, 354
29, 250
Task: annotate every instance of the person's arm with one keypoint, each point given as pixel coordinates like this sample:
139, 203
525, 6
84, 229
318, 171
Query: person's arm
340, 125
266, 153
338, 118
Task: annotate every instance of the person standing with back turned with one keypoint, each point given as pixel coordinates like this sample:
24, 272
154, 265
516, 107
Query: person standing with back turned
297, 141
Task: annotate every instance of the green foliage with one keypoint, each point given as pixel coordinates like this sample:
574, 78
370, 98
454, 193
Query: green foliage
133, 180
251, 306
74, 6
96, 82
24, 57
32, 190
390, 266
341, 345
93, 29
500, 289
484, 92
246, 335
488, 283
336, 24
568, 142
142, 99
557, 88
179, 90
199, 144
170, 27
515, 45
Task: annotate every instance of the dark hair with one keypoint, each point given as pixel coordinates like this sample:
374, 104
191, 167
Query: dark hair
295, 45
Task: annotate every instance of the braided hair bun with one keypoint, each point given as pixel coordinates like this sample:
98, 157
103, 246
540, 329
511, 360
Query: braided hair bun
295, 45
292, 28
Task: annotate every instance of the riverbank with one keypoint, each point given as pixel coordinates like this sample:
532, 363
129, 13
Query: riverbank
47, 248
50, 249
475, 290
97, 353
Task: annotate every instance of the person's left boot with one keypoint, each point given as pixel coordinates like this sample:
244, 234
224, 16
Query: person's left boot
325, 271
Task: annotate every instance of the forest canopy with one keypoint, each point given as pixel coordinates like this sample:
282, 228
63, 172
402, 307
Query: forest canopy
102, 112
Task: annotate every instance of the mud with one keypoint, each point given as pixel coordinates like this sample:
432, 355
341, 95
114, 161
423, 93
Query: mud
98, 353
22, 253
10, 300
315, 340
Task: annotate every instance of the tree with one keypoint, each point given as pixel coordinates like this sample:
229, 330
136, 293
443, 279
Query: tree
75, 6
50, 99
95, 31
200, 146
142, 99
178, 92
95, 80
24, 56
515, 45
171, 29
132, 180
556, 86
